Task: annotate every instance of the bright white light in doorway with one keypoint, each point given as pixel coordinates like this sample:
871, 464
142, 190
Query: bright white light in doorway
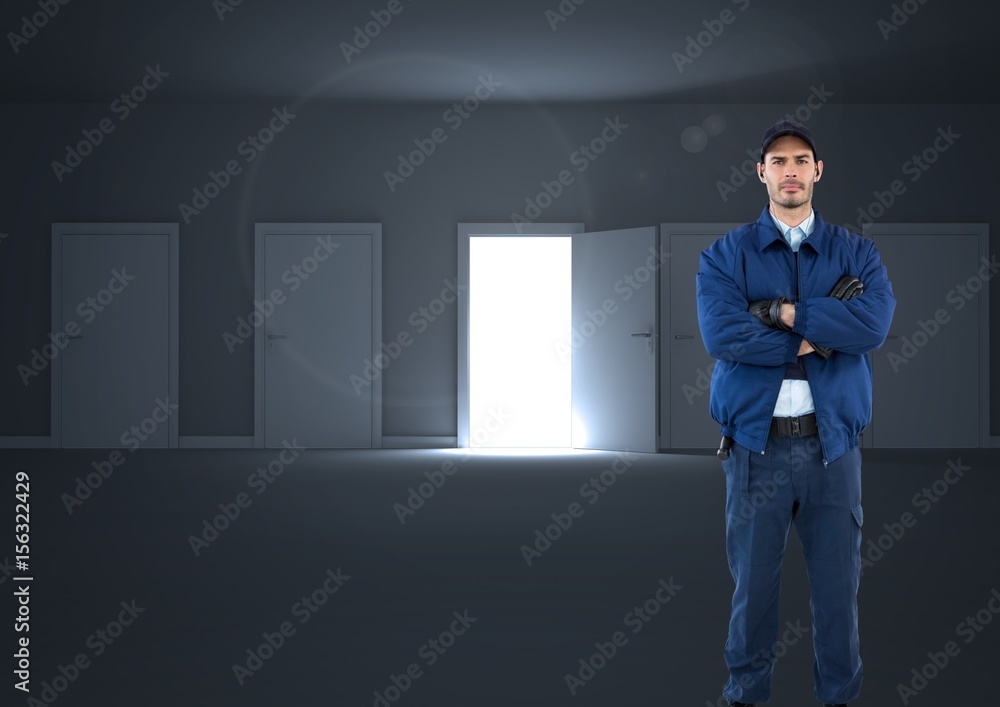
520, 313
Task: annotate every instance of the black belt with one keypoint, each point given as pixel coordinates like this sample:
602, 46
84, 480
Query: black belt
801, 426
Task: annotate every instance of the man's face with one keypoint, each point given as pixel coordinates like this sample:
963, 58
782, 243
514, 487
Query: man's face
789, 171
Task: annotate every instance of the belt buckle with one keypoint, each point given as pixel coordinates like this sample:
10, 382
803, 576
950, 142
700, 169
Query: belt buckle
796, 431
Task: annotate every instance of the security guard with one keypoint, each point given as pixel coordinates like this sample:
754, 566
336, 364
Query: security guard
790, 306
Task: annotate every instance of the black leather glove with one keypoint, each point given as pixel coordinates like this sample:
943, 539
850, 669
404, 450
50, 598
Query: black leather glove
847, 287
769, 312
822, 351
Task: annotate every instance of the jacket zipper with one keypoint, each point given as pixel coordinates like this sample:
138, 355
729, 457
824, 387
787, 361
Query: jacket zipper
774, 400
803, 360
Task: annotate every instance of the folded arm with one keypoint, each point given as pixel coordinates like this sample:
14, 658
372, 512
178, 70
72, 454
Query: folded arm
728, 330
854, 326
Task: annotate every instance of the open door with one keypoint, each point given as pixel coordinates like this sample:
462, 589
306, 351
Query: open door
615, 339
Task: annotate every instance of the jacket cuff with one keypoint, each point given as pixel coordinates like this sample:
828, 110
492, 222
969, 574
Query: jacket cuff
799, 325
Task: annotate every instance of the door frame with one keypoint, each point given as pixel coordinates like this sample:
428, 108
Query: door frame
171, 232
318, 229
982, 230
465, 232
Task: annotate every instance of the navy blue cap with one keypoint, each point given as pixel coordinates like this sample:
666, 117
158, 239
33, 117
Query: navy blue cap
782, 128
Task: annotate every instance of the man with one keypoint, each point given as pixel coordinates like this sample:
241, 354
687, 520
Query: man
790, 306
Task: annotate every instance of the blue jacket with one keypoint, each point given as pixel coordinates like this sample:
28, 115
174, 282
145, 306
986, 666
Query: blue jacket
755, 262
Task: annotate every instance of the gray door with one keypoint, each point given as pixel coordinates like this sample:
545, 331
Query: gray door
115, 372
687, 367
316, 338
926, 387
615, 339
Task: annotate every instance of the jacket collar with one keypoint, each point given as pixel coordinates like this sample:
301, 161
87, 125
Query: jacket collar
767, 232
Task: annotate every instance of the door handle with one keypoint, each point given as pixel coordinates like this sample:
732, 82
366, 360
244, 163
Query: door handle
648, 334
683, 336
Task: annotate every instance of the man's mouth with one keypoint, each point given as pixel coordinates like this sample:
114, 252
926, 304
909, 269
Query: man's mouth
791, 187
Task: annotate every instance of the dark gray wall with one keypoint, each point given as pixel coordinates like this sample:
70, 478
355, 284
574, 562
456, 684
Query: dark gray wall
328, 165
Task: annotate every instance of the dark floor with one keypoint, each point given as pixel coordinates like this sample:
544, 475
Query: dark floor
402, 584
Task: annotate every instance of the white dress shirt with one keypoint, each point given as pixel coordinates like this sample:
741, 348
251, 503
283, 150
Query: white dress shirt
795, 396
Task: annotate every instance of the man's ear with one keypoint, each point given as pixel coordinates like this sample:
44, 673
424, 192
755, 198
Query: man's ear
819, 170
760, 172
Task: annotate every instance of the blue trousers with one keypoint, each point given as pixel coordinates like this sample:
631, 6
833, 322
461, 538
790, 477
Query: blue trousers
765, 493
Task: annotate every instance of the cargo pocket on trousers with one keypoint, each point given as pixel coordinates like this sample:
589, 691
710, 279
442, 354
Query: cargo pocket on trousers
859, 520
